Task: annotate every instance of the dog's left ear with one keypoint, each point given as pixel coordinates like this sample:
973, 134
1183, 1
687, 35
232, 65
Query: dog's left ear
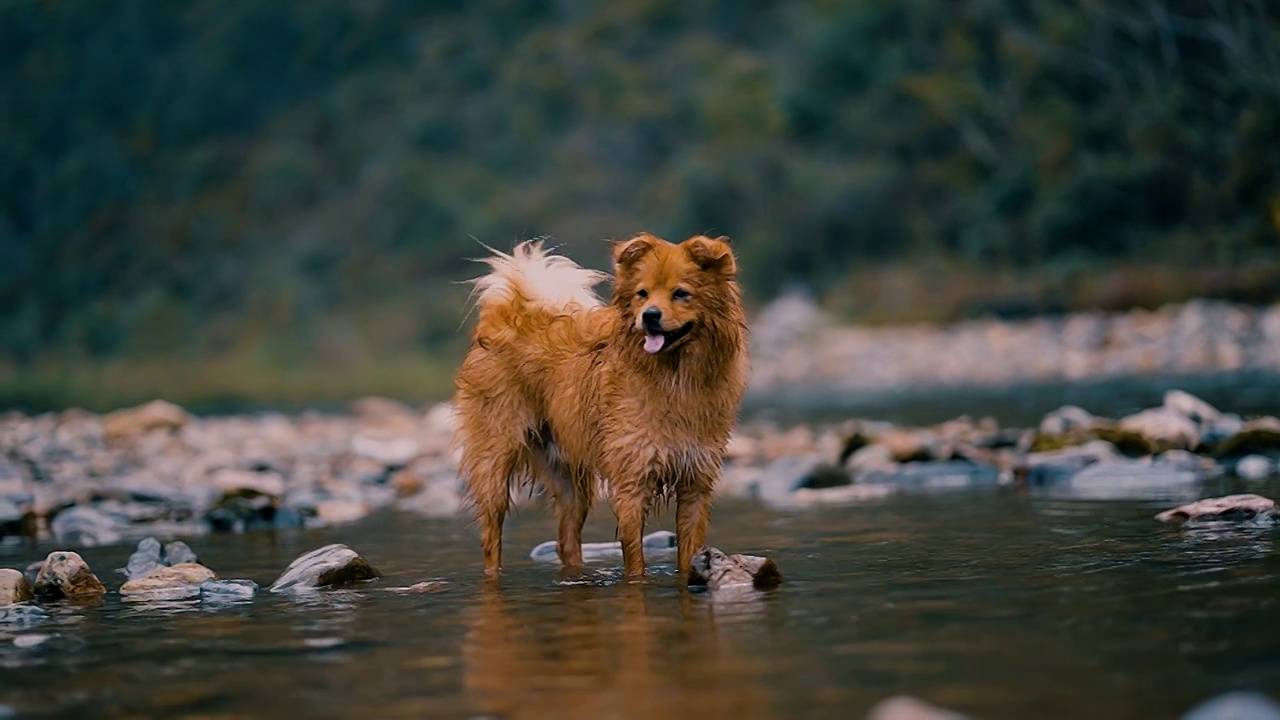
628, 252
711, 254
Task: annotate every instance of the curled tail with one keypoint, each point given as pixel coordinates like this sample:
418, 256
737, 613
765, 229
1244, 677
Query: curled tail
531, 277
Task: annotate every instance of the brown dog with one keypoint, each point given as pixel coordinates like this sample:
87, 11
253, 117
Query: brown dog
561, 391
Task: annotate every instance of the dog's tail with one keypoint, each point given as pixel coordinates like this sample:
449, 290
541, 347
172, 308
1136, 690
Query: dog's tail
532, 277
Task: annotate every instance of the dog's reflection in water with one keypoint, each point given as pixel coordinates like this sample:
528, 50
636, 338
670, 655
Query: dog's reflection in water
619, 651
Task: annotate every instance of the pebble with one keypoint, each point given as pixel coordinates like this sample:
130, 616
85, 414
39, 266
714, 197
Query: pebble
223, 591
657, 545
145, 560
330, 566
14, 587
65, 574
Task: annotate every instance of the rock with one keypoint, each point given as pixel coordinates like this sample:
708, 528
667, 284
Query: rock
32, 571
22, 615
388, 452
1067, 419
436, 500
716, 570
1254, 467
1120, 479
330, 566
1046, 468
779, 478
1191, 407
224, 591
145, 560
168, 583
427, 586
940, 475
337, 511
65, 574
908, 445
1164, 429
233, 482
85, 526
178, 553
846, 495
903, 707
870, 458
656, 545
1235, 508
1256, 436
138, 421
14, 587
1238, 705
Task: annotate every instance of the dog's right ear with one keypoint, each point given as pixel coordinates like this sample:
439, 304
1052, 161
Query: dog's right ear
627, 253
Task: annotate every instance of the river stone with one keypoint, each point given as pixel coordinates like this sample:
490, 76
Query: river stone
137, 421
1254, 467
1257, 436
32, 571
179, 553
1239, 705
937, 475
145, 560
23, 614
781, 477
903, 707
168, 583
85, 526
656, 545
1165, 429
1191, 407
1067, 419
220, 591
716, 570
14, 587
1122, 479
330, 566
1239, 508
66, 575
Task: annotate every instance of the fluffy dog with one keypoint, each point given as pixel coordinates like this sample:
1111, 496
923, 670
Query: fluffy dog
561, 391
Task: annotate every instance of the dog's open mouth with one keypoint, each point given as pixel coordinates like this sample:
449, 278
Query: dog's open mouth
655, 342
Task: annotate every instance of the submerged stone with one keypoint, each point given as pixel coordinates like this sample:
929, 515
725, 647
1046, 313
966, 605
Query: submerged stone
145, 560
716, 570
65, 574
1236, 508
227, 590
1239, 705
22, 614
14, 587
1121, 479
330, 566
168, 583
905, 707
85, 526
656, 544
179, 553
1254, 467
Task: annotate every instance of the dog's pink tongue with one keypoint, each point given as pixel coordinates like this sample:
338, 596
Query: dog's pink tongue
654, 343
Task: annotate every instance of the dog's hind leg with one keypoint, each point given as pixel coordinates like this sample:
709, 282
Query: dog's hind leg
492, 463
571, 494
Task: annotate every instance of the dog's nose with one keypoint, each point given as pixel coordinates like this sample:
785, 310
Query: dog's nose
651, 316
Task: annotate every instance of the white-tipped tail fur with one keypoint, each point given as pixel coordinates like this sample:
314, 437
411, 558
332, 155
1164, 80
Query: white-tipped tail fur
534, 275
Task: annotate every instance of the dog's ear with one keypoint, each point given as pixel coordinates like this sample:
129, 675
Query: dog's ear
711, 254
627, 253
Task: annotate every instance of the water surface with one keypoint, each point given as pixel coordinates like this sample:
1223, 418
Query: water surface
995, 603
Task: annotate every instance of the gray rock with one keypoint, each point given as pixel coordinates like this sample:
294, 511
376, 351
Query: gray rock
85, 526
145, 560
22, 615
788, 473
65, 574
330, 566
1254, 467
225, 591
716, 570
14, 587
939, 475
1236, 508
1239, 705
1056, 466
1066, 419
842, 495
657, 544
1191, 407
1165, 429
1132, 479
32, 571
137, 421
903, 707
178, 553
168, 583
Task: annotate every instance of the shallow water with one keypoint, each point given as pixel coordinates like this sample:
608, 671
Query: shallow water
997, 603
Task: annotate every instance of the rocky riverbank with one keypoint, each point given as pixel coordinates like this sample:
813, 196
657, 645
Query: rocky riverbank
795, 346
87, 480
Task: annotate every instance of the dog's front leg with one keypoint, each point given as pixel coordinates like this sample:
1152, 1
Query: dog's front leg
693, 514
631, 504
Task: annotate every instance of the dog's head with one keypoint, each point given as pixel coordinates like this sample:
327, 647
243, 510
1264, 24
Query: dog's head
666, 291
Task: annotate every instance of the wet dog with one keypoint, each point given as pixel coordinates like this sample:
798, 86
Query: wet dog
565, 392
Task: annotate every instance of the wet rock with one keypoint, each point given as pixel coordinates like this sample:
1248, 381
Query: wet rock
1121, 479
385, 451
233, 482
1254, 467
716, 570
330, 566
32, 571
1256, 436
1233, 508
903, 707
940, 475
85, 526
846, 495
65, 574
248, 511
781, 477
145, 560
1191, 407
225, 591
1165, 429
657, 544
337, 511
1239, 705
870, 458
22, 615
168, 583
14, 587
138, 421
1067, 419
178, 553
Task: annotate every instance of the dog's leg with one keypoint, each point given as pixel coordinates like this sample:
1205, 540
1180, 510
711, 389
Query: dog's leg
631, 506
693, 514
571, 493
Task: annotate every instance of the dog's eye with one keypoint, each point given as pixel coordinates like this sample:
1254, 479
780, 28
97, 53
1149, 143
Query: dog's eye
681, 294
642, 294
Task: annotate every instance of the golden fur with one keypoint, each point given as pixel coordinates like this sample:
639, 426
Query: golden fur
563, 391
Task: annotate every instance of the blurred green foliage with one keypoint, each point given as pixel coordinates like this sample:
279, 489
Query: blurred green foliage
296, 183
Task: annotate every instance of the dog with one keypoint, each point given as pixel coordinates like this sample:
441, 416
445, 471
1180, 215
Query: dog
564, 392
